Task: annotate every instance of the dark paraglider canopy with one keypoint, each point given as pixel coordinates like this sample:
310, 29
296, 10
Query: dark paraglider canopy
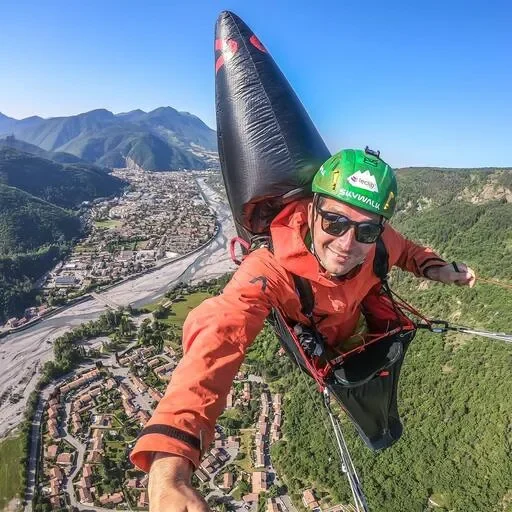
268, 146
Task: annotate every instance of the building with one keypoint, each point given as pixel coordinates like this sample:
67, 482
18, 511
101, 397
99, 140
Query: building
65, 459
65, 281
259, 482
227, 481
260, 457
202, 475
272, 505
84, 496
54, 487
56, 473
309, 500
51, 451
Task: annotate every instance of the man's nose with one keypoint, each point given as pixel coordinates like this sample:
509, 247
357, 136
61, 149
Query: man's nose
348, 239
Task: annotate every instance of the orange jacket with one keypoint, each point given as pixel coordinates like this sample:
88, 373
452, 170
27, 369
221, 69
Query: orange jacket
217, 333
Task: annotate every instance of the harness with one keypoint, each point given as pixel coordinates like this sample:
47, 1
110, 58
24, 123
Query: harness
363, 380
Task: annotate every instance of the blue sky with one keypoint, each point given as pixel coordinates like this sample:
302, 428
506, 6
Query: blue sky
427, 83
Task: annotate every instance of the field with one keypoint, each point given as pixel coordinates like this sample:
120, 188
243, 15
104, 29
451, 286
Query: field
246, 448
179, 310
107, 224
10, 478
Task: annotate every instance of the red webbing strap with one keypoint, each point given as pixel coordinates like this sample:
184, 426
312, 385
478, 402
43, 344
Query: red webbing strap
232, 244
405, 305
361, 348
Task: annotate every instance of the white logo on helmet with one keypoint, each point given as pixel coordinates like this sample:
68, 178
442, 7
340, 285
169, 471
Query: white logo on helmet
364, 180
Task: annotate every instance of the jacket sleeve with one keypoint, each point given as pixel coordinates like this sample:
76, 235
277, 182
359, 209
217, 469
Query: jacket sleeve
409, 256
216, 336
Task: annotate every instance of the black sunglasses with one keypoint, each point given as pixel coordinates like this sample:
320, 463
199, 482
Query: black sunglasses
336, 224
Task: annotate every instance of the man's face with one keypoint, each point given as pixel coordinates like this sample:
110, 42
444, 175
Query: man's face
339, 254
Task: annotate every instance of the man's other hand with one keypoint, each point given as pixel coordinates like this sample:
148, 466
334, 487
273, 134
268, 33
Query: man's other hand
170, 488
459, 274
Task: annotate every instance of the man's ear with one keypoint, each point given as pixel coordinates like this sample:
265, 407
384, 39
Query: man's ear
310, 215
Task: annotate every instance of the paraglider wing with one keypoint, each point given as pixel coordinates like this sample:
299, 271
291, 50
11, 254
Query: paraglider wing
268, 146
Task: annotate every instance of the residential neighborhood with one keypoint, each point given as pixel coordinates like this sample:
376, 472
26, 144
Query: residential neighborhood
92, 418
161, 217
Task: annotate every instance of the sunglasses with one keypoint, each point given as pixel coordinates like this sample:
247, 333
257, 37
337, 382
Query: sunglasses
335, 224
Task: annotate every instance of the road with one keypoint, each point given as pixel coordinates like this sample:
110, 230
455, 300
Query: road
24, 353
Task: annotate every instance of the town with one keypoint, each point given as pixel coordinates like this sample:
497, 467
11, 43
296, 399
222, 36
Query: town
160, 218
91, 421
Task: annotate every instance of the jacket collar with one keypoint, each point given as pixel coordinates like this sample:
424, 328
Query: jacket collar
289, 230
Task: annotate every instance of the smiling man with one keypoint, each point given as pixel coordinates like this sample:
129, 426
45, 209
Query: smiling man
330, 240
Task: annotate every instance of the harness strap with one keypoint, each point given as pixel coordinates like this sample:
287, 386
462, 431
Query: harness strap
305, 293
381, 261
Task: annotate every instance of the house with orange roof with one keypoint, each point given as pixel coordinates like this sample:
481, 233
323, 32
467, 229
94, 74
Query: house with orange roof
143, 417
227, 480
87, 470
51, 451
54, 487
65, 459
155, 394
56, 473
259, 481
309, 500
85, 497
94, 456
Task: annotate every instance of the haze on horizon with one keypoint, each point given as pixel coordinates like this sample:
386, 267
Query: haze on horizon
426, 84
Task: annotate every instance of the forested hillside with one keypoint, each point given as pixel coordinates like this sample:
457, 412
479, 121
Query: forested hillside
455, 390
38, 218
65, 185
26, 222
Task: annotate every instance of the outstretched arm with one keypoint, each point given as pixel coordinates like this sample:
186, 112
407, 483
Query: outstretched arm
216, 336
424, 262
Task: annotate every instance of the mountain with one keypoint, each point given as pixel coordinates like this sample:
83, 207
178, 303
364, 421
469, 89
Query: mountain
162, 139
465, 214
34, 236
65, 185
28, 223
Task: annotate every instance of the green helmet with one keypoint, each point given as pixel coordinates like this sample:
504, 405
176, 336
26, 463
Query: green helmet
359, 178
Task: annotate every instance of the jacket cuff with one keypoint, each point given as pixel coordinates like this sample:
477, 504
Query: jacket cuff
149, 444
431, 263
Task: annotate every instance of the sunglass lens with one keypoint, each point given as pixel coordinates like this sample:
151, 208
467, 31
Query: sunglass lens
368, 233
335, 225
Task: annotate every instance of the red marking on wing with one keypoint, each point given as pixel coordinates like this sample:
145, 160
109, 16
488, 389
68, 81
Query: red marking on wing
228, 49
257, 44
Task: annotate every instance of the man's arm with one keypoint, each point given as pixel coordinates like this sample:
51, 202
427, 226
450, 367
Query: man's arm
423, 261
216, 336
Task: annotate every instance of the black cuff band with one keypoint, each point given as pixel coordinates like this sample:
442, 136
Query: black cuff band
173, 432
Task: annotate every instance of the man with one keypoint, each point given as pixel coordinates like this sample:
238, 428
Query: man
329, 240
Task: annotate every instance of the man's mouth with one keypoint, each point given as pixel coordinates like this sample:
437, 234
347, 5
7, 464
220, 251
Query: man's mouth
338, 255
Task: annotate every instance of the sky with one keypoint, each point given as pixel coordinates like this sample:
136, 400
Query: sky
426, 82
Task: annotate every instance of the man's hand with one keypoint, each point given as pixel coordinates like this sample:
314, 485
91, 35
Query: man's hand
170, 488
459, 274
